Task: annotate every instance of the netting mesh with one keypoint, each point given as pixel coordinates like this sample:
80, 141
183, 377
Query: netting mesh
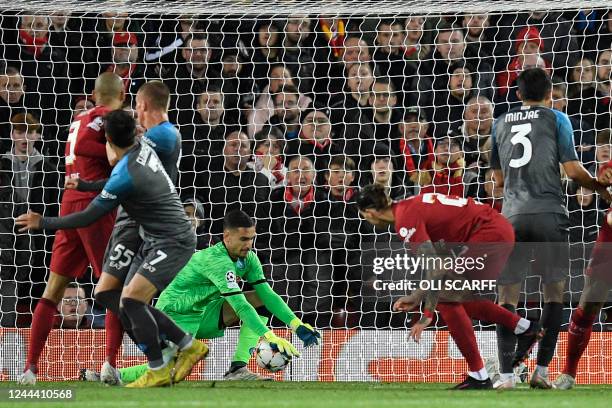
404, 99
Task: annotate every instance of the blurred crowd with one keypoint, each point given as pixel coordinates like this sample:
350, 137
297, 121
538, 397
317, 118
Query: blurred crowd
286, 117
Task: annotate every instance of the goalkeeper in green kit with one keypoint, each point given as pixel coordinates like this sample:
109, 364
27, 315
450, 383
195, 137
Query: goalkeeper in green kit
205, 298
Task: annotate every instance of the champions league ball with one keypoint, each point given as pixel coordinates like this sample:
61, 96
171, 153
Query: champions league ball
268, 357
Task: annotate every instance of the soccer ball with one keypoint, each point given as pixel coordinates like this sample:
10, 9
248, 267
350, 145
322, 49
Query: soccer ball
269, 358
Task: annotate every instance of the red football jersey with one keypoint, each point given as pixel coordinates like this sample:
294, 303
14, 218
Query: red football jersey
86, 151
435, 217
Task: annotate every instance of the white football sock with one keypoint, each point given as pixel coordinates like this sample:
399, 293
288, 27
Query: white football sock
480, 374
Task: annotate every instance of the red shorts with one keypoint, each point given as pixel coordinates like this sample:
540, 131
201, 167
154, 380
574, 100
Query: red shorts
75, 249
493, 243
600, 265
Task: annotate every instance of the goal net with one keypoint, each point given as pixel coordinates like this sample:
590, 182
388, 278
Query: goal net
286, 109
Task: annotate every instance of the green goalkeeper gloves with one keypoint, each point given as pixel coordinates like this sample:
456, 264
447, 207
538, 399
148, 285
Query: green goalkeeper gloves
308, 335
284, 346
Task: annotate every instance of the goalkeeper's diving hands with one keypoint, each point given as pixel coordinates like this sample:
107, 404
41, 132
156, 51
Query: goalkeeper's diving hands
284, 346
308, 335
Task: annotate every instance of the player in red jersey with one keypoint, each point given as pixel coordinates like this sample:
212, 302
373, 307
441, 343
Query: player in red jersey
74, 250
597, 284
429, 220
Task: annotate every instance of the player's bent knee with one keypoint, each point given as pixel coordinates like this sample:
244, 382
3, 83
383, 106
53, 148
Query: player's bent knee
140, 288
253, 299
110, 299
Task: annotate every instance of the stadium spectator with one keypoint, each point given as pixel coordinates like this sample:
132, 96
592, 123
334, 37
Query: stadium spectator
388, 58
264, 106
584, 134
204, 137
237, 85
476, 129
506, 95
72, 309
450, 50
191, 78
356, 50
195, 212
42, 78
416, 47
350, 115
296, 54
13, 100
30, 180
478, 36
595, 27
33, 177
268, 156
446, 173
301, 270
493, 195
604, 75
124, 63
450, 101
344, 223
163, 41
226, 182
415, 146
266, 45
527, 54
16, 281
604, 71
385, 115
559, 46
315, 142
330, 47
287, 112
585, 216
603, 149
383, 172
81, 104
582, 92
604, 34
98, 35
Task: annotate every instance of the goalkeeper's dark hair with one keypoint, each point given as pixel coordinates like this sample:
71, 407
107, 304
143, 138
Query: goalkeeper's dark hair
372, 196
237, 219
120, 128
534, 84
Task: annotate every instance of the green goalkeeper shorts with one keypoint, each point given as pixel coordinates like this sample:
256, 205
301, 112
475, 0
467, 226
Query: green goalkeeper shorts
206, 325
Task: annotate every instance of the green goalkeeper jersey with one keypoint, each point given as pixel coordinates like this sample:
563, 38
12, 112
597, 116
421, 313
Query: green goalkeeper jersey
212, 274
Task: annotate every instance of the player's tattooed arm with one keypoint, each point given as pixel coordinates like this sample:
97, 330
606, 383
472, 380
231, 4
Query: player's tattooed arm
434, 275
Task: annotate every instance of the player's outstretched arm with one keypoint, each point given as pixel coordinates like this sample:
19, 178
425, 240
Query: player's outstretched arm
277, 306
576, 171
81, 219
73, 183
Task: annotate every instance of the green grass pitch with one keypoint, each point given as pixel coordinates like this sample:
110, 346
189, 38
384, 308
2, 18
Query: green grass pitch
312, 395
